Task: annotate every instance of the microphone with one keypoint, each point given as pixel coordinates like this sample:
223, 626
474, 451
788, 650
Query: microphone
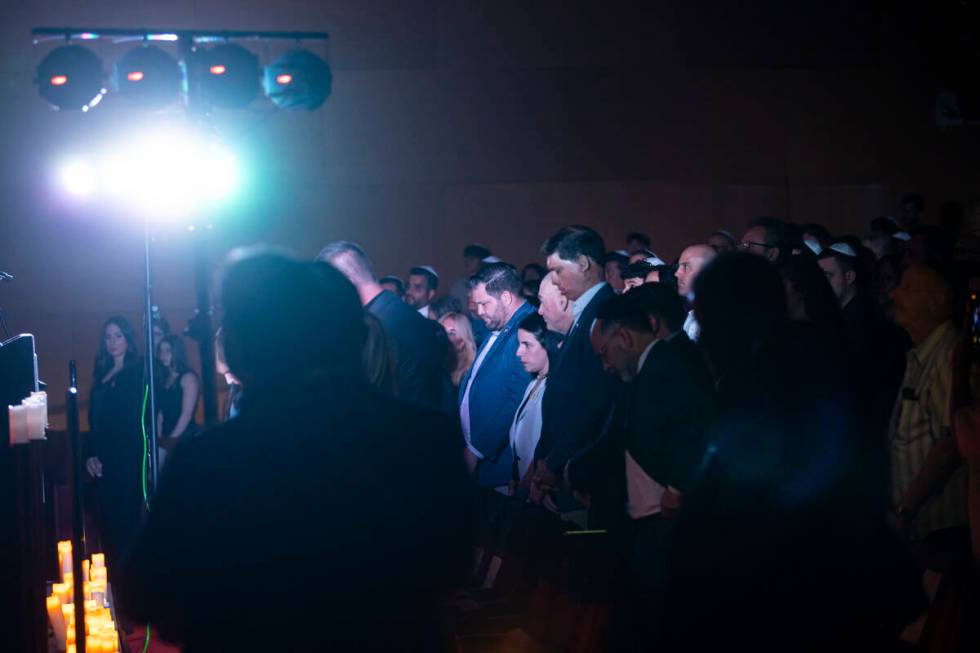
6, 276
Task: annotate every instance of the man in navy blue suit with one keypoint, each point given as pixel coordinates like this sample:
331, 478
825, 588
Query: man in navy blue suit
580, 394
492, 390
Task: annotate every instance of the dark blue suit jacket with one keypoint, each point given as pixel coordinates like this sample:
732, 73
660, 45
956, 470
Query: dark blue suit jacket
497, 390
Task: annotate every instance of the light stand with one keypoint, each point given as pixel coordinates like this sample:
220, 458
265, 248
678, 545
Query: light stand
152, 445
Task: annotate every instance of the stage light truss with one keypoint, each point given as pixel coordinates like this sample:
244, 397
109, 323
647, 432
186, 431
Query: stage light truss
210, 70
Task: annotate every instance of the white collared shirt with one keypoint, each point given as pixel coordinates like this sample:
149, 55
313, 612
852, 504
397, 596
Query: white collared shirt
691, 327
579, 305
424, 311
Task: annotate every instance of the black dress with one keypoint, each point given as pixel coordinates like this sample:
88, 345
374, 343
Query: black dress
117, 440
170, 401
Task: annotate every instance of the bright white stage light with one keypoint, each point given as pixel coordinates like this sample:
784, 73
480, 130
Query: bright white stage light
78, 178
162, 176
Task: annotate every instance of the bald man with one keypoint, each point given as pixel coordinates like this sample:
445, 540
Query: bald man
928, 481
692, 260
555, 307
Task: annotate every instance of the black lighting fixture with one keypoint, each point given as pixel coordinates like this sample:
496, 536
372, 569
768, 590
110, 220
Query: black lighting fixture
229, 76
298, 79
71, 78
148, 77
213, 70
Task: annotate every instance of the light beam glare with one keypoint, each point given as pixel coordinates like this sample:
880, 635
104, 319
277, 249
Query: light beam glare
78, 178
168, 176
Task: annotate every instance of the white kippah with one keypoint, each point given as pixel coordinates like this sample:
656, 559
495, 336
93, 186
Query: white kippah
902, 235
654, 260
492, 259
813, 245
622, 252
431, 270
845, 249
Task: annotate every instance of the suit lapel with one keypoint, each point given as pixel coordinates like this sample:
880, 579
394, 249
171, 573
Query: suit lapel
497, 343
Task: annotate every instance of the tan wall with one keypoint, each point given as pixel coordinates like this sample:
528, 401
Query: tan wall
454, 122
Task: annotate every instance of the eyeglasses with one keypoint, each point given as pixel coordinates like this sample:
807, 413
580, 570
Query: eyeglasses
746, 244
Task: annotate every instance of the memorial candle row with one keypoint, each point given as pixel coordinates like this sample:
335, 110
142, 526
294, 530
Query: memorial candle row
101, 635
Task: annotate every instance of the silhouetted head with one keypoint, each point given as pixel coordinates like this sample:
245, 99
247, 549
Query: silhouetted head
285, 318
740, 303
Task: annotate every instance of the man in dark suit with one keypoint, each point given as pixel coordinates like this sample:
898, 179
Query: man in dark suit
490, 393
655, 453
579, 393
324, 516
421, 345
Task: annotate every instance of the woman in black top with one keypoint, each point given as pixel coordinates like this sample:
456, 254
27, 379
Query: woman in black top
115, 443
177, 391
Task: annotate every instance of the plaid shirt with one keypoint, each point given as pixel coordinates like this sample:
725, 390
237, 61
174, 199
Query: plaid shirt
921, 419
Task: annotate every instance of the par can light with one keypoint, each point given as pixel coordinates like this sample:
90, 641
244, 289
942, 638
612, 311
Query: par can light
298, 79
148, 77
70, 78
230, 76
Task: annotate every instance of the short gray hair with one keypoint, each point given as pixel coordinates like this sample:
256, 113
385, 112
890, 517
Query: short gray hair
350, 259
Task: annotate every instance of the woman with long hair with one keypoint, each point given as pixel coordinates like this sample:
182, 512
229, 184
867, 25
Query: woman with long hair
536, 347
460, 335
115, 441
177, 391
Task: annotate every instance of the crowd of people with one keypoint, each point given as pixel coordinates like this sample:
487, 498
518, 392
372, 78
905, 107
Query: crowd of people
769, 441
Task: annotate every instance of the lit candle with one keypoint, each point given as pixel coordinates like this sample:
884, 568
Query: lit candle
85, 566
68, 611
99, 574
64, 557
57, 620
70, 586
98, 560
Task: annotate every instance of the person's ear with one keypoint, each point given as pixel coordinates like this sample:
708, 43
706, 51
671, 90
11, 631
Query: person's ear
583, 263
655, 324
625, 336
